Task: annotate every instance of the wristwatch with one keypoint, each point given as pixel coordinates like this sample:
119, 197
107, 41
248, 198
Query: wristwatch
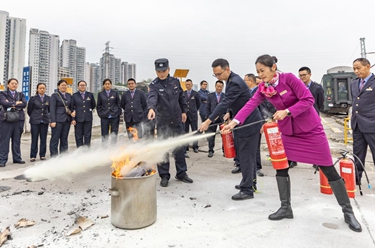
288, 112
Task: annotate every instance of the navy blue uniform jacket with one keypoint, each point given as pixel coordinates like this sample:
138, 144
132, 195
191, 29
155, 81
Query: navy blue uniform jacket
212, 103
57, 107
318, 94
363, 112
167, 98
134, 108
108, 105
7, 101
38, 110
83, 107
193, 104
236, 96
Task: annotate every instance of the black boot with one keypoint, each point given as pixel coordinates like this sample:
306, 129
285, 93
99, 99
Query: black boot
285, 211
338, 188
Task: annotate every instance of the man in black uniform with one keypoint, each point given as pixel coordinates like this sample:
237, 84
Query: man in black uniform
134, 104
166, 98
236, 95
193, 104
316, 90
83, 103
213, 100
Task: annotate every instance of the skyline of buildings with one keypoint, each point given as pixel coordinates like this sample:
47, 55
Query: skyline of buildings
49, 60
12, 47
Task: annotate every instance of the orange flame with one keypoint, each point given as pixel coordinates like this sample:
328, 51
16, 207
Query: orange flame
134, 132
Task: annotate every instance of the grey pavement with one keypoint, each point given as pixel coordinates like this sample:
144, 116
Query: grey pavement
201, 214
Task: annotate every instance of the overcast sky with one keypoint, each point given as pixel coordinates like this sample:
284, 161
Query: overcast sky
193, 33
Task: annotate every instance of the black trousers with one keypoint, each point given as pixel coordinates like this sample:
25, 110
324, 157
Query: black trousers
149, 129
167, 131
329, 171
259, 161
59, 134
136, 125
10, 130
211, 140
194, 127
82, 132
246, 153
203, 117
106, 125
360, 143
38, 131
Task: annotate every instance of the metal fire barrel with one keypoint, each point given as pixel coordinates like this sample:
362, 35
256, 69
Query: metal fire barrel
133, 202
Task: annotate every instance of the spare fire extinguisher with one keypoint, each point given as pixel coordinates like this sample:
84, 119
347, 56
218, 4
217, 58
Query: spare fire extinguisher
275, 146
228, 143
347, 172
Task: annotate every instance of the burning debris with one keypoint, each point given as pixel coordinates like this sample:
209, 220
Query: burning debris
4, 235
24, 223
81, 224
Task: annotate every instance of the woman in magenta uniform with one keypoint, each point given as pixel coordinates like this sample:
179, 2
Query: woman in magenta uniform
300, 126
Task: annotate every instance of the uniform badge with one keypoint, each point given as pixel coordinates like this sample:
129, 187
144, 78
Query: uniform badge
88, 99
161, 90
112, 97
47, 103
283, 92
369, 89
192, 98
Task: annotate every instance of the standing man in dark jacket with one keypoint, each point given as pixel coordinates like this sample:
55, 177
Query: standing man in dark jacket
193, 104
236, 95
203, 94
15, 101
316, 90
134, 104
109, 111
83, 103
363, 117
166, 102
213, 100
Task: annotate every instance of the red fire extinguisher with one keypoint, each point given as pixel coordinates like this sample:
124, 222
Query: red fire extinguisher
347, 172
325, 188
275, 146
228, 144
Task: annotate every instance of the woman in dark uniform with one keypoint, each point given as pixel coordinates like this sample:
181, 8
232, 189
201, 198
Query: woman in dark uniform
38, 110
11, 99
109, 110
61, 112
83, 104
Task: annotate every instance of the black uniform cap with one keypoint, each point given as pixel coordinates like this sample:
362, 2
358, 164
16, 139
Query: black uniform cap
161, 64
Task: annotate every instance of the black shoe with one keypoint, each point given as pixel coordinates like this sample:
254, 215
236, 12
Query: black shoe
2, 165
42, 158
292, 164
19, 162
242, 196
237, 187
164, 182
195, 150
260, 173
186, 156
185, 179
210, 154
236, 170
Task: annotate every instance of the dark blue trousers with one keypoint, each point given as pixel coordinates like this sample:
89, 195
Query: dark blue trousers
246, 152
10, 130
59, 134
38, 131
82, 132
167, 131
106, 125
194, 127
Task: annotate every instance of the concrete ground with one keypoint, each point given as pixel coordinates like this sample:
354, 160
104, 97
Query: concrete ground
201, 214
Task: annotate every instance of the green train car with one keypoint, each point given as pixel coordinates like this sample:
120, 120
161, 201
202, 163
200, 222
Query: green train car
337, 93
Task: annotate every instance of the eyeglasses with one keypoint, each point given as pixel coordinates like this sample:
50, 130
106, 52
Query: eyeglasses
303, 75
217, 75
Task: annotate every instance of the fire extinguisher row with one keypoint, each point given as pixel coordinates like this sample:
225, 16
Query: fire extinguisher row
348, 172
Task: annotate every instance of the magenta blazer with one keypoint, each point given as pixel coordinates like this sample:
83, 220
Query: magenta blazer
291, 94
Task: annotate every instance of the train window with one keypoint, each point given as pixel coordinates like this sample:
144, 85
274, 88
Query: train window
343, 90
